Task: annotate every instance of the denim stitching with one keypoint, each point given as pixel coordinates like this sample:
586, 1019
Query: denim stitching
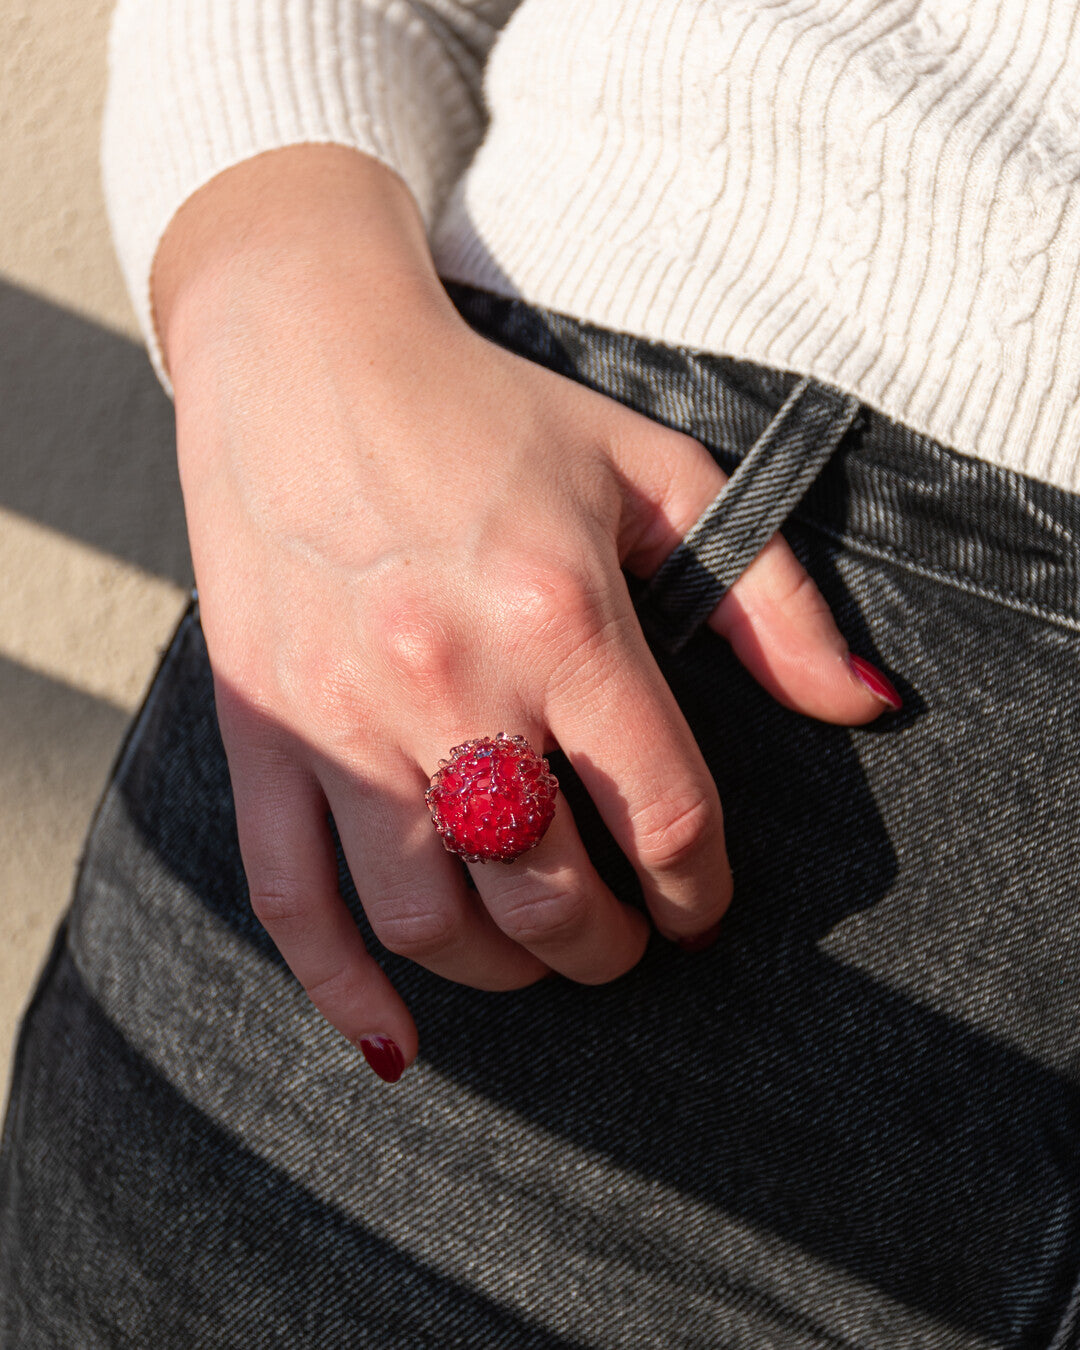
911, 562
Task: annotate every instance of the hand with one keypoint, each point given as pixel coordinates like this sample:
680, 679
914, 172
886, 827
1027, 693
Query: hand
405, 537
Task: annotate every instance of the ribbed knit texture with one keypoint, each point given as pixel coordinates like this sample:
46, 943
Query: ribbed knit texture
884, 194
199, 85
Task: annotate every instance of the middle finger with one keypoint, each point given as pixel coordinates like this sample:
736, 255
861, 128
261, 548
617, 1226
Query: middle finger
552, 902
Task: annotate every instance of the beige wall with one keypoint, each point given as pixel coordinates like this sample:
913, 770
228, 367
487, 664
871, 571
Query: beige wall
53, 237
93, 563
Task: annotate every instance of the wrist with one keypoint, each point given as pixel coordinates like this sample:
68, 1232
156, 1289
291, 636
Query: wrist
284, 239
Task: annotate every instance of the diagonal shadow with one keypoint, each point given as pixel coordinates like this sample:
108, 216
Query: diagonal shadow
86, 439
764, 1078
114, 1154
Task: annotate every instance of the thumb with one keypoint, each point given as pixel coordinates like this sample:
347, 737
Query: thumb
775, 618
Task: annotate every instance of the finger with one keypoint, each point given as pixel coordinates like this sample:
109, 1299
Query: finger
777, 621
552, 902
413, 891
783, 631
289, 859
619, 724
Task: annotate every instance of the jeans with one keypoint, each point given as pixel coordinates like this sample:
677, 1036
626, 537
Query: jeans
853, 1122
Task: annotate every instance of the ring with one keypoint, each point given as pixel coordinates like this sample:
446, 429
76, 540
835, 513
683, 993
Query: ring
494, 798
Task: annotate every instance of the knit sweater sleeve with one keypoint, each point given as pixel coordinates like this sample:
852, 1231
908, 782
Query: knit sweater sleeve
198, 85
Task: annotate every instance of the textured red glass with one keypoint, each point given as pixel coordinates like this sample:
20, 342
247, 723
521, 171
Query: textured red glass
492, 799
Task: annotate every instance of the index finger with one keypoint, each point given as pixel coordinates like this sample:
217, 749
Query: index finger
619, 725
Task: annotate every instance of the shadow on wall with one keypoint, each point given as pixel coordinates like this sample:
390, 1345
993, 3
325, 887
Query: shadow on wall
55, 744
86, 437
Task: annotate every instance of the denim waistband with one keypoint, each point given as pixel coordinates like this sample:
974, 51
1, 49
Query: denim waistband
888, 491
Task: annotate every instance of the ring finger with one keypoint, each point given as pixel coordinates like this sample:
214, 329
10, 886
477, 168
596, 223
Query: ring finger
552, 902
413, 892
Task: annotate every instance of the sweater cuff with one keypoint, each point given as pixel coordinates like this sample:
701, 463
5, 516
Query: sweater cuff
197, 86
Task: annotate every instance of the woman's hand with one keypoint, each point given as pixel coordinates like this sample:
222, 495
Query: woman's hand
405, 537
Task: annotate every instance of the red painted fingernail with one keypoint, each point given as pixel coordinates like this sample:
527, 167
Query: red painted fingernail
384, 1057
701, 942
878, 685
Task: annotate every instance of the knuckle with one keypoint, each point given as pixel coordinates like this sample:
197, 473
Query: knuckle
416, 933
672, 834
803, 597
333, 988
680, 471
415, 642
543, 916
582, 600
554, 599
279, 906
321, 689
675, 455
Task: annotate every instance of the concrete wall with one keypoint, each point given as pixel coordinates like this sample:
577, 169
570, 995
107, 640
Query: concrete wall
93, 561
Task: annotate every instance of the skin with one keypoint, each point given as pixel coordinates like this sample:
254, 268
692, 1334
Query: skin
405, 537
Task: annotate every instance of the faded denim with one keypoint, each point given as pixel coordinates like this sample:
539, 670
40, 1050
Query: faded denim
854, 1122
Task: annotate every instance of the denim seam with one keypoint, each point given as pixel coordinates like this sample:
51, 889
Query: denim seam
912, 562
985, 473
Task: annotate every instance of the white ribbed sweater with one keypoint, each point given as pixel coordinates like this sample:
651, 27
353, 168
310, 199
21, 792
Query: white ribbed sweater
881, 193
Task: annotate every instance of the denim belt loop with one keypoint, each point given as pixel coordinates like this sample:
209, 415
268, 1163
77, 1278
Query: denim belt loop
763, 491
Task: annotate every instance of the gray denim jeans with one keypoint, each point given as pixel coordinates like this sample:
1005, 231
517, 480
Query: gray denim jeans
854, 1122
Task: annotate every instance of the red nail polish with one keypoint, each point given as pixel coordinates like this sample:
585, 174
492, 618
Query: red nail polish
701, 942
384, 1057
878, 685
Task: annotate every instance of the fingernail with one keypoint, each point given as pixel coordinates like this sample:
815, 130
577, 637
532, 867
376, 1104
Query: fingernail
701, 942
878, 685
384, 1057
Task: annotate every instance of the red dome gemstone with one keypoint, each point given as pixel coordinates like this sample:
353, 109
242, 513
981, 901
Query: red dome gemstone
493, 798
